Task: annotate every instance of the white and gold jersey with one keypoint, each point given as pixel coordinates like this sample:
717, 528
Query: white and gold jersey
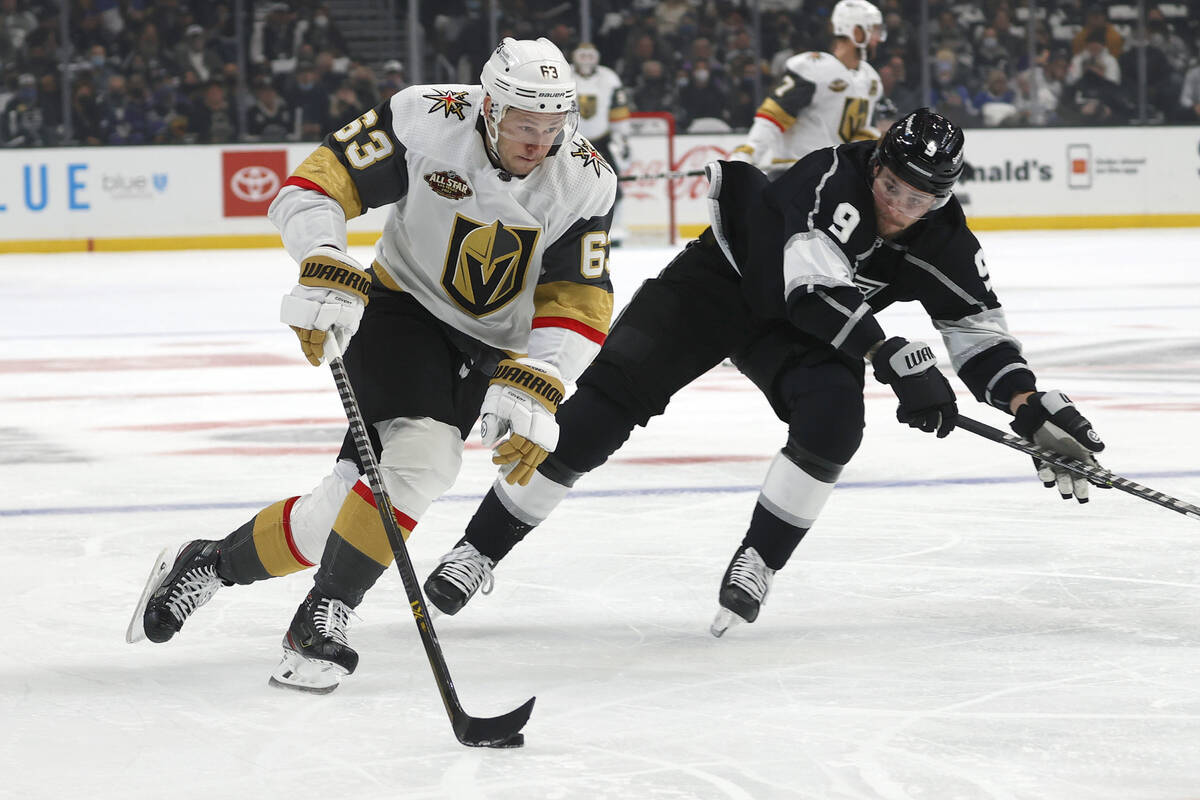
490, 254
819, 102
601, 101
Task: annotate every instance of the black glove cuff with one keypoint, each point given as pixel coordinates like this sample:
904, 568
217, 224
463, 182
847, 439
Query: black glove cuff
1029, 417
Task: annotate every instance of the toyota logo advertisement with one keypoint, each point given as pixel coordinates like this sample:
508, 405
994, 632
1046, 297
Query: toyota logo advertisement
251, 180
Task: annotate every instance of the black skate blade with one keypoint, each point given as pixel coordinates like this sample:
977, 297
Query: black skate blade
503, 731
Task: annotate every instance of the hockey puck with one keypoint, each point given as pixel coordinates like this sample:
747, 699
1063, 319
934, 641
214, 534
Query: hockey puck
516, 740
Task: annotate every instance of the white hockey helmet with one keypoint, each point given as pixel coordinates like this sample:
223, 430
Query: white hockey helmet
531, 76
585, 59
850, 14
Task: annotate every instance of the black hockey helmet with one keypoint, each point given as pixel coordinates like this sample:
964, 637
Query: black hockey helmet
923, 149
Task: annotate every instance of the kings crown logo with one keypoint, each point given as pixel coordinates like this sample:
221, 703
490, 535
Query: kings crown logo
449, 184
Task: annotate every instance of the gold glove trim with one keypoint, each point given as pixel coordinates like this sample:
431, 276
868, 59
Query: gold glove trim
546, 388
327, 273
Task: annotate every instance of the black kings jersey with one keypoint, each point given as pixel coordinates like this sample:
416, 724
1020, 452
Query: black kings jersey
808, 250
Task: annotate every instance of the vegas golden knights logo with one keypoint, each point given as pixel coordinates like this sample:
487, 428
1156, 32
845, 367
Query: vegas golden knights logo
486, 265
587, 105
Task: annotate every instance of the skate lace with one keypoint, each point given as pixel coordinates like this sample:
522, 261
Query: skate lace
195, 588
468, 569
751, 574
332, 618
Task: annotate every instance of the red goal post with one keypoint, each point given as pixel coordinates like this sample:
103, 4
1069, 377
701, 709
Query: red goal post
661, 210
648, 207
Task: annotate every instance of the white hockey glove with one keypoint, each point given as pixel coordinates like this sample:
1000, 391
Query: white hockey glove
926, 399
520, 403
325, 307
1051, 420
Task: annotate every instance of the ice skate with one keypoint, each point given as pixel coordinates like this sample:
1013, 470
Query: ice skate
176, 587
459, 574
743, 590
316, 651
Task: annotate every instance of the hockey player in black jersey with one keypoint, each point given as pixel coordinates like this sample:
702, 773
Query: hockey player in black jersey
787, 282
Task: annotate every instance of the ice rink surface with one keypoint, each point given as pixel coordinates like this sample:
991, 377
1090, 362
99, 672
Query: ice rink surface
948, 630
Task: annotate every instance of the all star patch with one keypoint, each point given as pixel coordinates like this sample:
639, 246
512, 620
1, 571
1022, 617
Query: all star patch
449, 184
447, 102
591, 157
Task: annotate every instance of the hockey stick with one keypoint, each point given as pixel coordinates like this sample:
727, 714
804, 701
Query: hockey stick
1097, 475
690, 173
501, 731
654, 176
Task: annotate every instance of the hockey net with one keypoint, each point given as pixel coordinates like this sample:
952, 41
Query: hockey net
665, 211
647, 212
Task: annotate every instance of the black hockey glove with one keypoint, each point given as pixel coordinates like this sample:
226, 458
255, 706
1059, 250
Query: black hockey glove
926, 399
1051, 420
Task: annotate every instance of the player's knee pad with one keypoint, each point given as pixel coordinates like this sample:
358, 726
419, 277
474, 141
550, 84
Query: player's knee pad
421, 458
793, 493
825, 423
312, 515
592, 426
532, 503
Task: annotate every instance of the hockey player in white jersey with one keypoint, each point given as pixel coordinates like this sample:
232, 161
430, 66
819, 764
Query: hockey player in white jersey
489, 289
823, 99
603, 115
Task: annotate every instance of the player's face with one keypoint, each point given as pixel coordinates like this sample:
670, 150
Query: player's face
525, 137
897, 205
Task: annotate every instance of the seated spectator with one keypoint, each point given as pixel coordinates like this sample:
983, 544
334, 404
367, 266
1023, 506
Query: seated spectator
323, 33
176, 131
269, 119
1095, 23
194, 53
275, 39
1162, 83
669, 14
1093, 99
22, 123
85, 115
642, 48
893, 74
949, 95
1163, 36
946, 34
701, 97
213, 119
309, 101
362, 81
996, 101
1040, 88
15, 26
990, 53
345, 106
1006, 37
393, 79
1189, 97
750, 80
123, 119
1095, 56
653, 91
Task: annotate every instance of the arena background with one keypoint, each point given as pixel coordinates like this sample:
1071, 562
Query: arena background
212, 104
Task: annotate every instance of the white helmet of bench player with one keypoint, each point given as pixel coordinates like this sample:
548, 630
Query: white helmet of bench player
851, 14
531, 76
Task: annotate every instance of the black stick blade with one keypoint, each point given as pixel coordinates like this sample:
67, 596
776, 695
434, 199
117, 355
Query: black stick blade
501, 731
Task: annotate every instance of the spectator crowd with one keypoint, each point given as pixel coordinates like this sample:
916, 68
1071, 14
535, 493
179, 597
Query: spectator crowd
185, 71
